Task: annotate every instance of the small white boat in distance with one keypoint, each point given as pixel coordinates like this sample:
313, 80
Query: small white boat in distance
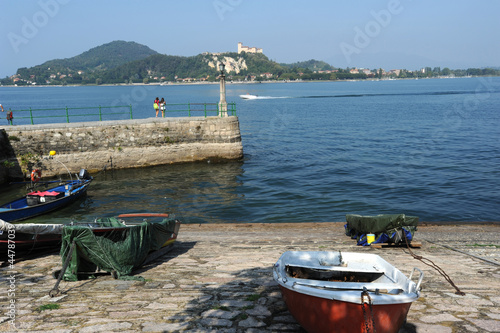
248, 96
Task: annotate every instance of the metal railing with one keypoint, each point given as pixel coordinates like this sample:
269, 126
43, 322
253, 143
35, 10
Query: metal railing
66, 114
108, 113
206, 108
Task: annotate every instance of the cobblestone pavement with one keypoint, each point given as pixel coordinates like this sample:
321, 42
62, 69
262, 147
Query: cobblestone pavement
218, 278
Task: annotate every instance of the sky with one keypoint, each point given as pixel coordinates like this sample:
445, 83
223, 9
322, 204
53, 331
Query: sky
388, 34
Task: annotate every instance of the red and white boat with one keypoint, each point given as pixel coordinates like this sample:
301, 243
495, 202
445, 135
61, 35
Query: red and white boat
347, 292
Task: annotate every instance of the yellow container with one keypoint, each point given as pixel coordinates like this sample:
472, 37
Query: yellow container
370, 238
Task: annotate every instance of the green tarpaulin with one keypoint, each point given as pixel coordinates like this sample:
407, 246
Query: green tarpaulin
388, 228
119, 249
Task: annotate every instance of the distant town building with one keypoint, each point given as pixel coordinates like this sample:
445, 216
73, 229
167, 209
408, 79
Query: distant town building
394, 72
247, 49
328, 71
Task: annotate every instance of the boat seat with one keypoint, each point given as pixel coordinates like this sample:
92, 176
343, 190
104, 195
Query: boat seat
392, 287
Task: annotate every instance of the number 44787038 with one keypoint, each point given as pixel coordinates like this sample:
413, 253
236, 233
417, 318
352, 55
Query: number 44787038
11, 253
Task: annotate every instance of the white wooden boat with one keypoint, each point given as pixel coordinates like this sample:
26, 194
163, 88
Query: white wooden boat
345, 292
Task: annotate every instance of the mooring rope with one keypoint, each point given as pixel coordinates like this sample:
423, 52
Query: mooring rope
430, 263
472, 255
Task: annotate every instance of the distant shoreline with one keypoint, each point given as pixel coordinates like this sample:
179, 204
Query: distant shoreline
235, 82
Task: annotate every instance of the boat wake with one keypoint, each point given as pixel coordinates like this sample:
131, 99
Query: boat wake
425, 93
247, 96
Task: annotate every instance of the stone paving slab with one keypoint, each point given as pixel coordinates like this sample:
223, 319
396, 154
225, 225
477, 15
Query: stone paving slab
218, 278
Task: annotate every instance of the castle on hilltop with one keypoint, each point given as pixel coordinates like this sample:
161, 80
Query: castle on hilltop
247, 49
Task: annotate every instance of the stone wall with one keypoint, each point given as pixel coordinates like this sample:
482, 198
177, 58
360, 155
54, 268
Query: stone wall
118, 144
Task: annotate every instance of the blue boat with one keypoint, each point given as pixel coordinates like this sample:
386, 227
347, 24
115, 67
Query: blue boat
38, 203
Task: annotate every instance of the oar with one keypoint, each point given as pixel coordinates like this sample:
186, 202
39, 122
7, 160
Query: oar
42, 182
55, 291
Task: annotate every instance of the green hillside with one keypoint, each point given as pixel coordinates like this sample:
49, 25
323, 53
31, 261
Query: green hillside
129, 62
159, 66
122, 62
97, 59
312, 65
200, 67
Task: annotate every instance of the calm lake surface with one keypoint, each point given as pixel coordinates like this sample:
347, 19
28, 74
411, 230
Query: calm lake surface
313, 152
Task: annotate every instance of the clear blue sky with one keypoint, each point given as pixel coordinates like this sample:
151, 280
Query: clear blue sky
371, 34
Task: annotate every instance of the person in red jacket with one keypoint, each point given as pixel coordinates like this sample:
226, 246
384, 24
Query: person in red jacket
9, 115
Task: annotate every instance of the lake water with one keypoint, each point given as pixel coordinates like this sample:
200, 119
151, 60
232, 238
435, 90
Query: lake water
314, 152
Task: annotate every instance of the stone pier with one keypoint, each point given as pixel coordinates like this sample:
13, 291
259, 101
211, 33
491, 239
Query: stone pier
117, 144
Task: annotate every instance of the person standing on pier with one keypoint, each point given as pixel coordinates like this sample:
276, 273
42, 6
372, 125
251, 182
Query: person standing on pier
157, 105
9, 115
162, 107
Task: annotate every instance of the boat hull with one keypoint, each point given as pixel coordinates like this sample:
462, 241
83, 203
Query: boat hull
116, 245
19, 210
328, 291
322, 315
29, 239
18, 240
27, 244
248, 96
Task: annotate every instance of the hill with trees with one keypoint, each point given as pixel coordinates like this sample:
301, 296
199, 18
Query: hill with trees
312, 65
121, 62
88, 64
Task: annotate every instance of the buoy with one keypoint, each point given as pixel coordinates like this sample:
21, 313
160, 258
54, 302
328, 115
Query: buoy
36, 174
